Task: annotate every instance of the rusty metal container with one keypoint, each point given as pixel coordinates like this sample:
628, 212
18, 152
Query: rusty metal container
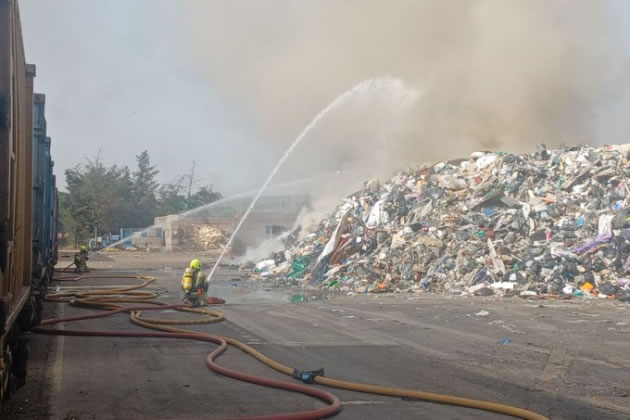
16, 143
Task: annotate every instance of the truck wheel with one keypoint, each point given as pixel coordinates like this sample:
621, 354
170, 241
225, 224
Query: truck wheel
21, 352
6, 384
26, 318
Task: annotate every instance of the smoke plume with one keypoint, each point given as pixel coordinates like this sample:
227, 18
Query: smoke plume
494, 74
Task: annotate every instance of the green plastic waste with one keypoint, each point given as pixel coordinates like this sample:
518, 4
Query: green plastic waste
299, 298
332, 283
298, 267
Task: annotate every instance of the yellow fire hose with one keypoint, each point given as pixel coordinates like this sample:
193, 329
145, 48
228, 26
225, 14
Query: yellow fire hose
109, 299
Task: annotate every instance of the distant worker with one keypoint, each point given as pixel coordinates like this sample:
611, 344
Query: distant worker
80, 260
194, 284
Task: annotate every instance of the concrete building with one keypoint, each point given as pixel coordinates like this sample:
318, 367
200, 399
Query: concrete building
271, 216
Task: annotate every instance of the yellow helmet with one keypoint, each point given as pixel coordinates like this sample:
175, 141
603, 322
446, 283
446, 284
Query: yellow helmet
83, 248
196, 264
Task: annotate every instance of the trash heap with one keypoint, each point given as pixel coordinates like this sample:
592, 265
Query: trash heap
552, 222
202, 237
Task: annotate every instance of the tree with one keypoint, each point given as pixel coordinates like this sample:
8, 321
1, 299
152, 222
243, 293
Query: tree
181, 196
144, 184
172, 200
80, 207
144, 187
110, 197
65, 221
174, 197
100, 197
205, 195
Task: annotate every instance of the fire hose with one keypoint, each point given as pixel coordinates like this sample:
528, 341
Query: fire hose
109, 302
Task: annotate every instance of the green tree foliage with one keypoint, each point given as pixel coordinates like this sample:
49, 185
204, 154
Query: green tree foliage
181, 196
143, 190
65, 222
110, 197
174, 199
144, 183
100, 197
204, 195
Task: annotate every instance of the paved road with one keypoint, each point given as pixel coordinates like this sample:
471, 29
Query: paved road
565, 360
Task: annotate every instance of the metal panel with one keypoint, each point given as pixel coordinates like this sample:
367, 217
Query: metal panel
40, 164
15, 161
48, 201
27, 175
6, 142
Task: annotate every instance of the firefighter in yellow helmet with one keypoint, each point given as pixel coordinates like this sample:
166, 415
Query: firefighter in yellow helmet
194, 284
80, 260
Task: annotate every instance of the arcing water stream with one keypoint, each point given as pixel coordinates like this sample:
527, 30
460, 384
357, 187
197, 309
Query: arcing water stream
375, 84
365, 86
196, 210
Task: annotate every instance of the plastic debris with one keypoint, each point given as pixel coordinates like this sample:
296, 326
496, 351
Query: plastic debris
586, 287
298, 266
553, 222
265, 264
299, 298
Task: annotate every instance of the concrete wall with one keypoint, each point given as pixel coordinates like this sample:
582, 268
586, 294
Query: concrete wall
280, 212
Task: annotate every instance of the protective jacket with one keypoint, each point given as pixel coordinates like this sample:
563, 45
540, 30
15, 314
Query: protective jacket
193, 280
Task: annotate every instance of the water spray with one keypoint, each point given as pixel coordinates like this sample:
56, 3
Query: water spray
205, 207
365, 85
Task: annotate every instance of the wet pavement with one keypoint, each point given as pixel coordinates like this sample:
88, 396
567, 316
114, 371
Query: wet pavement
563, 359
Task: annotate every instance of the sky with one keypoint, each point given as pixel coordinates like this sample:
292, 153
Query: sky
115, 86
229, 84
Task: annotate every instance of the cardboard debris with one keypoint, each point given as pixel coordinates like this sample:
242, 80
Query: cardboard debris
526, 225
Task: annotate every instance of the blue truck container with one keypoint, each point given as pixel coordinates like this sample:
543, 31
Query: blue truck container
44, 199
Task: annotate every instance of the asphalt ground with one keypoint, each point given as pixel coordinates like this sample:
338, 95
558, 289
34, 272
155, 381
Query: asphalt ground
563, 359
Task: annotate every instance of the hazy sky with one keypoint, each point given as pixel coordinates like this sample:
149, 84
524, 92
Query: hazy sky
114, 83
229, 83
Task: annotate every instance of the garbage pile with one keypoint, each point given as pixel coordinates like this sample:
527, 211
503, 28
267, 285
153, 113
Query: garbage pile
203, 237
551, 222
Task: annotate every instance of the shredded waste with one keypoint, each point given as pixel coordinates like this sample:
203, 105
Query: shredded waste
203, 237
553, 222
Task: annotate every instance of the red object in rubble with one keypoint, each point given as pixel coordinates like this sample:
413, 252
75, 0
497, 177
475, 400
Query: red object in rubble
214, 300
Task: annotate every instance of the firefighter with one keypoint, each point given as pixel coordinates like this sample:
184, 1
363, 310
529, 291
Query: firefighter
194, 284
80, 260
